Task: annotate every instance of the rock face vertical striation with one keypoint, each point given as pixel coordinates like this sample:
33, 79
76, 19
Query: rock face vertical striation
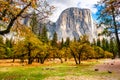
73, 23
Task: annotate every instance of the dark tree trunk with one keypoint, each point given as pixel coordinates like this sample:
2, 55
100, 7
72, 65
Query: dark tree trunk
61, 60
53, 57
65, 59
79, 58
41, 61
30, 60
22, 60
13, 59
43, 58
79, 54
38, 60
74, 57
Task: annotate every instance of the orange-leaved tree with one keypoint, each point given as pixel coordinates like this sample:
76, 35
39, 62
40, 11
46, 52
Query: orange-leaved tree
12, 10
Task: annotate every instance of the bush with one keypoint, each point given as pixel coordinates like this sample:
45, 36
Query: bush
108, 54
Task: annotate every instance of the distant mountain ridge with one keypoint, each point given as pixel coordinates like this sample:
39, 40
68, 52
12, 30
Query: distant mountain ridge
73, 22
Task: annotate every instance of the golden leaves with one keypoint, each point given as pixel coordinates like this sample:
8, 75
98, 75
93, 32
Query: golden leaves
110, 6
33, 3
5, 19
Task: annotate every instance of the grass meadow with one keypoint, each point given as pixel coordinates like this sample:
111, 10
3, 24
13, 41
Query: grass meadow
53, 71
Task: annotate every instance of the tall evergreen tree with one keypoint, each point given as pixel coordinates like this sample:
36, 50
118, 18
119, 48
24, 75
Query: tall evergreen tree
54, 40
44, 36
1, 40
34, 23
2, 47
107, 45
103, 45
62, 43
113, 47
9, 45
67, 43
98, 42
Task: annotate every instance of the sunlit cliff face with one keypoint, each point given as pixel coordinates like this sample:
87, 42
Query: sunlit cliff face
74, 22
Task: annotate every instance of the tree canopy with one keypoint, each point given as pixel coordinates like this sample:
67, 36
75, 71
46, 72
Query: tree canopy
13, 10
109, 12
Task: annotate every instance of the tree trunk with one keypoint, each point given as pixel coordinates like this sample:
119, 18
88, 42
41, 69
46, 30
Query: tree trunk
13, 59
79, 58
29, 59
74, 57
38, 60
65, 59
29, 55
46, 56
61, 60
41, 60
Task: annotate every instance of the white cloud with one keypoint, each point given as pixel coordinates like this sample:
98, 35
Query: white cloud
88, 4
64, 4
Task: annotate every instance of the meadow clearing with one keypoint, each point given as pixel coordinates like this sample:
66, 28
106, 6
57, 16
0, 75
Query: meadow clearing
103, 69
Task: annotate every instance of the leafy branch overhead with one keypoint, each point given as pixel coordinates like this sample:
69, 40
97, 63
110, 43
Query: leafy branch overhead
12, 10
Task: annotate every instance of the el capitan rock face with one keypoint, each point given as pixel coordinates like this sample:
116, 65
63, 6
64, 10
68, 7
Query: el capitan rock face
73, 22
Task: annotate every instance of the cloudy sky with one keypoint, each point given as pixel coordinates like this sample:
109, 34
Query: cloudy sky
64, 4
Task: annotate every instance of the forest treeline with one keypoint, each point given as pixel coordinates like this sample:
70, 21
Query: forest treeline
28, 45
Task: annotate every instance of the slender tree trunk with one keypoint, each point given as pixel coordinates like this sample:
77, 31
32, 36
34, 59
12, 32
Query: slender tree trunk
29, 55
46, 56
13, 59
38, 60
61, 60
79, 58
29, 58
74, 57
65, 59
53, 57
41, 61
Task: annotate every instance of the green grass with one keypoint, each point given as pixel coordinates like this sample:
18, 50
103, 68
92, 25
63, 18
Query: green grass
44, 71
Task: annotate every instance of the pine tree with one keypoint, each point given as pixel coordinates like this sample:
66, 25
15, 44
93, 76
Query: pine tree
79, 39
44, 36
98, 42
62, 43
2, 47
1, 40
107, 45
34, 23
103, 44
9, 45
54, 40
67, 43
113, 47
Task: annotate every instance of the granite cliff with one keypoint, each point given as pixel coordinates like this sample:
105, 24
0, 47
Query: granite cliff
73, 22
